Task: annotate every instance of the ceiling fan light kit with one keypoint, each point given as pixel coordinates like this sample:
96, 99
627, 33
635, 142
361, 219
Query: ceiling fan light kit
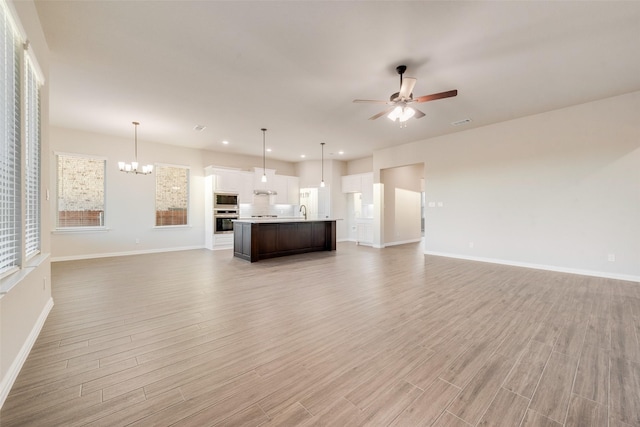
399, 101
401, 113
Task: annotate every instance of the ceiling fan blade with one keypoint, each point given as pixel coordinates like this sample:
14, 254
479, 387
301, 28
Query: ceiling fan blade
419, 114
407, 87
434, 96
370, 101
380, 114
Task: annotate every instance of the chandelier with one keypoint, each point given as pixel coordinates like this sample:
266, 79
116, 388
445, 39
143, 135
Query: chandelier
133, 166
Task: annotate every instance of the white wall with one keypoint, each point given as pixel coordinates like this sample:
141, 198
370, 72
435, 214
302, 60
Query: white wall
130, 198
357, 166
558, 190
402, 203
26, 305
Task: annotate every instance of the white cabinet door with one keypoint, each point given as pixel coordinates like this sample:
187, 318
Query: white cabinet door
245, 195
293, 188
367, 188
351, 184
227, 181
281, 187
364, 233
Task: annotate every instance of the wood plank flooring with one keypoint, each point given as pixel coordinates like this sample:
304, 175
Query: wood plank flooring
360, 336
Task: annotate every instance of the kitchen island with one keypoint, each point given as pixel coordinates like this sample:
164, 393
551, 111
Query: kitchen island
256, 239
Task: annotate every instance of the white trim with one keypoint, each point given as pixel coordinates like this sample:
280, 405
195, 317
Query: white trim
9, 281
114, 254
18, 362
169, 165
402, 242
82, 156
31, 58
72, 230
604, 274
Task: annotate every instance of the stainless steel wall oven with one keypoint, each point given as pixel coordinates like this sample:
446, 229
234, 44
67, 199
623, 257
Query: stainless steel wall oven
223, 220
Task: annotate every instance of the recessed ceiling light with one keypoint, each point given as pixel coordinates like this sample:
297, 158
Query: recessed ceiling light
268, 150
199, 128
341, 152
225, 142
303, 155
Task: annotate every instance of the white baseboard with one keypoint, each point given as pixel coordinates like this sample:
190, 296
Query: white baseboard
627, 277
114, 254
402, 242
18, 362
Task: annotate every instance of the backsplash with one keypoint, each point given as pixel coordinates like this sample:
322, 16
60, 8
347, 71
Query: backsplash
262, 206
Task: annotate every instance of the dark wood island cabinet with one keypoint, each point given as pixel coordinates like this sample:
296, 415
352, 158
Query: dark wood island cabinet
254, 240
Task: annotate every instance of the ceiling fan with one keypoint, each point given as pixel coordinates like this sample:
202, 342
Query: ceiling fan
400, 101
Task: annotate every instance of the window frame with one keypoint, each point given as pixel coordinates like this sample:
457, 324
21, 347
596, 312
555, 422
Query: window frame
25, 81
157, 167
11, 231
84, 228
32, 176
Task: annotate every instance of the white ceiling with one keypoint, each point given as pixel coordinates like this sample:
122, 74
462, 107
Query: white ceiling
294, 67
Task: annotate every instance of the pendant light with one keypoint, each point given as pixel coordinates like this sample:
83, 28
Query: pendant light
264, 154
322, 164
133, 166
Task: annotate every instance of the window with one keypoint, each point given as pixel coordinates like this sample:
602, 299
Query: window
10, 148
80, 191
20, 228
32, 161
172, 195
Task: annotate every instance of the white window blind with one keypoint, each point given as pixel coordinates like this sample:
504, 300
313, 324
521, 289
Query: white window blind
32, 160
80, 191
10, 204
172, 195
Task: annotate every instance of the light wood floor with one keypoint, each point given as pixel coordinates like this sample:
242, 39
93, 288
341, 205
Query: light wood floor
357, 336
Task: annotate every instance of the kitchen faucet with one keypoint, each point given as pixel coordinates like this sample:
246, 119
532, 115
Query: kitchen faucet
305, 211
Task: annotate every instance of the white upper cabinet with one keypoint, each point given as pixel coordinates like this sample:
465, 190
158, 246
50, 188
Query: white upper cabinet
351, 184
288, 190
244, 183
226, 180
293, 187
359, 183
367, 188
245, 194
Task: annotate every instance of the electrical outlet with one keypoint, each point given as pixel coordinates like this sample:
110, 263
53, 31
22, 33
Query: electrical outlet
137, 241
440, 204
611, 257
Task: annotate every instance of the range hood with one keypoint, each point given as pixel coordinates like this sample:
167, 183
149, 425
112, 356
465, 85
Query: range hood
265, 192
